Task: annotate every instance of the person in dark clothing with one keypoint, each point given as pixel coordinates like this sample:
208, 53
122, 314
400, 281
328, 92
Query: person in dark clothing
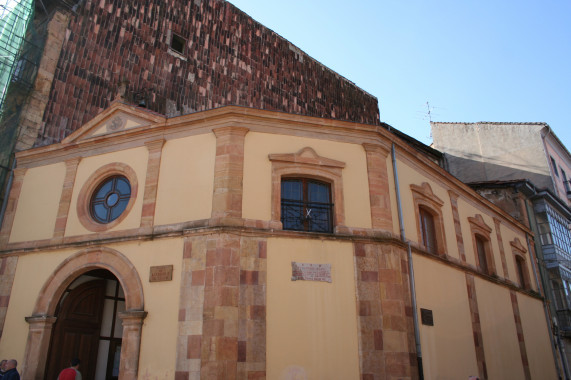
11, 371
2, 368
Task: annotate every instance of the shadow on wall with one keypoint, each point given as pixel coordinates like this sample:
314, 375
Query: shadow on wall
474, 169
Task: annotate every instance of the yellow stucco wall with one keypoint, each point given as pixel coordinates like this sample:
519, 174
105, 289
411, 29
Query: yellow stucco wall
448, 346
311, 326
160, 329
409, 176
32, 272
258, 174
501, 347
535, 332
36, 211
186, 179
136, 158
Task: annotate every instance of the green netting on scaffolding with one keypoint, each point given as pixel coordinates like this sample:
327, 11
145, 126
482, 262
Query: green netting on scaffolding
15, 16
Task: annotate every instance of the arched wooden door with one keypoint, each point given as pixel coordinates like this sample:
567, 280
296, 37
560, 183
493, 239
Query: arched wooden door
76, 331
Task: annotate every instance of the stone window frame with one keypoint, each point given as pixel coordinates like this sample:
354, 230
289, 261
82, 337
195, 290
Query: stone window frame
306, 163
480, 229
519, 253
423, 197
92, 183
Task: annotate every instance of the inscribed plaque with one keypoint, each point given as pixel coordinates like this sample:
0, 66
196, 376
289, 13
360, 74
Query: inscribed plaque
160, 273
310, 272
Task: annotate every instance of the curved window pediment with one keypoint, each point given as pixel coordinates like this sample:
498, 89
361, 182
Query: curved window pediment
430, 223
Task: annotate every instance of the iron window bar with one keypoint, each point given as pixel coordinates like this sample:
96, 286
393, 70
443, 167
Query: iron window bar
307, 216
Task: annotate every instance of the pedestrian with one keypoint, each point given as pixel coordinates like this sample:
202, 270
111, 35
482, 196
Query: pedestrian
11, 371
2, 367
71, 373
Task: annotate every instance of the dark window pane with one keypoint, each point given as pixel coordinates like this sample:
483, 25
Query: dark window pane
318, 192
481, 247
292, 215
319, 218
519, 263
428, 230
292, 189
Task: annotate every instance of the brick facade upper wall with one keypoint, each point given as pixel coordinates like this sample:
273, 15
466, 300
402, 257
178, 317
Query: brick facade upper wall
228, 59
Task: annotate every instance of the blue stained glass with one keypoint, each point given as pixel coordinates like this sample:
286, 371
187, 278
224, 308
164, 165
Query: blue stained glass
123, 186
119, 208
104, 190
100, 211
111, 199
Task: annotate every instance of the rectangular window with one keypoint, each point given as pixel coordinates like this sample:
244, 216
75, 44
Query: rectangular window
554, 166
520, 266
306, 205
565, 181
178, 43
427, 230
481, 247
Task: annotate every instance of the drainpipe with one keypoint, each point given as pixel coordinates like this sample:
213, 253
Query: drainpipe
547, 286
7, 193
410, 266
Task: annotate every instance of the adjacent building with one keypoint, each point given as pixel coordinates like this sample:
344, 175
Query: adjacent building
522, 167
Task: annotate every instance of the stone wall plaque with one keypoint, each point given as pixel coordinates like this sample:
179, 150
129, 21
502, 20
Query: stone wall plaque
160, 273
310, 272
426, 317
116, 124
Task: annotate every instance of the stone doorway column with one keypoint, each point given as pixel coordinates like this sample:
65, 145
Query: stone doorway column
131, 343
37, 346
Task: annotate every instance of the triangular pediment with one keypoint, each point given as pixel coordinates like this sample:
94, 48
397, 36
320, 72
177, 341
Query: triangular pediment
117, 118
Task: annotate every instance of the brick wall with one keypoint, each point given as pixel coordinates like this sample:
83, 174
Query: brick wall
228, 59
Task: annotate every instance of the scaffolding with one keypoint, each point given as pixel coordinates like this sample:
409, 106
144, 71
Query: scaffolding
16, 76
15, 15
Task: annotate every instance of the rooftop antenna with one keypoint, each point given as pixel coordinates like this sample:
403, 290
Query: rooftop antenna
429, 111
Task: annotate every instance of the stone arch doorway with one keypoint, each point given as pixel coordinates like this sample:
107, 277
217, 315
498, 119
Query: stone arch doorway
44, 316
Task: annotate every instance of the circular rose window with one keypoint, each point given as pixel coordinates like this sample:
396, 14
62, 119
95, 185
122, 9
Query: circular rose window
110, 199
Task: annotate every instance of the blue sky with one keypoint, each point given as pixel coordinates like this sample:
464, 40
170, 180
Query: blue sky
487, 60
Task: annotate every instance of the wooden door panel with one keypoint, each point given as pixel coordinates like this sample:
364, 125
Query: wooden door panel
76, 331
